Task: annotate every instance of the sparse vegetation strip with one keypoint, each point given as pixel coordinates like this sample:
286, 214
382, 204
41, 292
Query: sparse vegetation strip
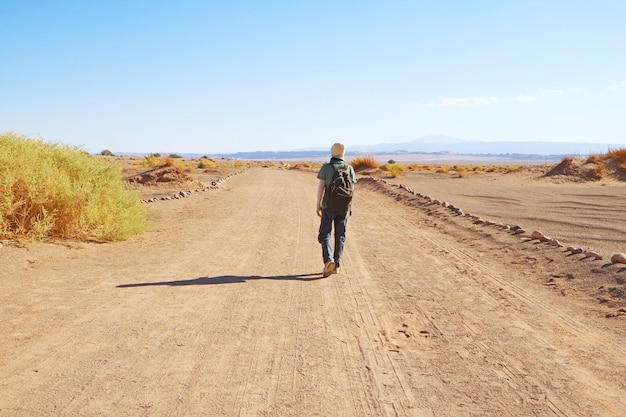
395, 169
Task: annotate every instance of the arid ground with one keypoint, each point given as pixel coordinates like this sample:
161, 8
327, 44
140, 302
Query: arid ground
219, 309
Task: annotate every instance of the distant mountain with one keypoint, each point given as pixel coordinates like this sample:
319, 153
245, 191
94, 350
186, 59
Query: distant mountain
437, 145
445, 144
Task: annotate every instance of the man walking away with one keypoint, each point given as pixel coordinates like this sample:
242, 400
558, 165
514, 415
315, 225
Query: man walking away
334, 197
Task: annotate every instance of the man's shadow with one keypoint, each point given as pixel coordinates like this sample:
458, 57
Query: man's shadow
224, 279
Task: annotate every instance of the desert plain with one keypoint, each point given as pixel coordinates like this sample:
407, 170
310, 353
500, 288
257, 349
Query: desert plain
220, 309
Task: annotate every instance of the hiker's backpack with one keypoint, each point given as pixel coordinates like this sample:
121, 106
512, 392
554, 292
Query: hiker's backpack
339, 192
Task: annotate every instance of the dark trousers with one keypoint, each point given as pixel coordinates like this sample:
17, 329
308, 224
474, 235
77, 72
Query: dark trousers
339, 221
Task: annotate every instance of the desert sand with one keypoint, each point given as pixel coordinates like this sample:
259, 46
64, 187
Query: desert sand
219, 309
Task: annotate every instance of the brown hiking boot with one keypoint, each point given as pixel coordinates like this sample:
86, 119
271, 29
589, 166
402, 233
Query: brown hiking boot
329, 266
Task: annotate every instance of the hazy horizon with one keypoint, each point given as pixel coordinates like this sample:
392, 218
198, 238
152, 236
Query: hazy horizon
423, 149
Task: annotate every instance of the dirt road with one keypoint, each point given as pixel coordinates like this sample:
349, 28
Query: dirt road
220, 310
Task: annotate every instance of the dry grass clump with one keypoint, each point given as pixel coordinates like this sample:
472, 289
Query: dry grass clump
611, 163
598, 171
302, 165
393, 168
156, 160
227, 164
172, 162
618, 155
206, 163
50, 190
152, 160
238, 164
415, 167
566, 161
592, 159
363, 162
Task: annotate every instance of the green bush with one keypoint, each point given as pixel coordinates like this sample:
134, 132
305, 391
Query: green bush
152, 160
395, 170
57, 191
207, 164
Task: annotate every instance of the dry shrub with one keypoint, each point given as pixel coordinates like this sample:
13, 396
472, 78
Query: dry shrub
303, 165
171, 162
598, 171
566, 161
207, 164
50, 190
420, 167
603, 161
592, 159
618, 155
364, 162
395, 170
460, 172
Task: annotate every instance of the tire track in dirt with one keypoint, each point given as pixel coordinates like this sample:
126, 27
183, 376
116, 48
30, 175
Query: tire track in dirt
500, 293
253, 373
376, 345
572, 336
427, 324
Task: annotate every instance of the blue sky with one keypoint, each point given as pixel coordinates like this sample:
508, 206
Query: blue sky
228, 76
